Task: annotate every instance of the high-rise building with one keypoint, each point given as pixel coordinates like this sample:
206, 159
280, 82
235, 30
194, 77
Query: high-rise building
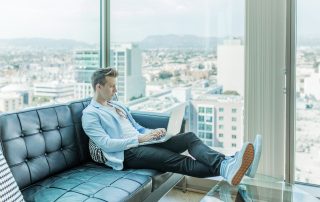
218, 121
230, 65
127, 59
86, 62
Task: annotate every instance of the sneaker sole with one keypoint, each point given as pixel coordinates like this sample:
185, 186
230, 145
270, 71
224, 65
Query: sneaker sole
257, 154
246, 162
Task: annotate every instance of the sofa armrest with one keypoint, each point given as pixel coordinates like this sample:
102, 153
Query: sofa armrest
151, 120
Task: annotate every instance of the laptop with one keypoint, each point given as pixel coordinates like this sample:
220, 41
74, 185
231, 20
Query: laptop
174, 125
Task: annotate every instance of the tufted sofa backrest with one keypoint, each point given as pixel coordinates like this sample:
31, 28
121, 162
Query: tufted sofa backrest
42, 141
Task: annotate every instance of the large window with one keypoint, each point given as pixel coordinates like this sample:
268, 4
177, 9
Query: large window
174, 52
48, 50
308, 94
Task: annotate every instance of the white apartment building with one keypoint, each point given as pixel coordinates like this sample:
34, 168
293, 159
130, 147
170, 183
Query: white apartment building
230, 66
54, 90
218, 121
312, 85
83, 90
127, 59
20, 90
303, 73
10, 102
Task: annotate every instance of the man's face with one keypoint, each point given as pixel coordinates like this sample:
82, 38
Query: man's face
107, 90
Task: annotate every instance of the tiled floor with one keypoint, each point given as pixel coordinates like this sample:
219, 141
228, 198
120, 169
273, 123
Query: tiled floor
176, 195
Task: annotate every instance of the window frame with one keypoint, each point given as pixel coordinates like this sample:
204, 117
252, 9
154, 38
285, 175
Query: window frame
104, 33
290, 91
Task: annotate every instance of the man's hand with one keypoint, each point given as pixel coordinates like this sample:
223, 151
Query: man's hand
153, 135
163, 131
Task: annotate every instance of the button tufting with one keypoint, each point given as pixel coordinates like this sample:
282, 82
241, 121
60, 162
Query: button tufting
61, 149
58, 127
40, 131
45, 154
22, 135
26, 160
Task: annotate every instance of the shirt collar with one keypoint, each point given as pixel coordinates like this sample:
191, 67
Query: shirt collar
97, 104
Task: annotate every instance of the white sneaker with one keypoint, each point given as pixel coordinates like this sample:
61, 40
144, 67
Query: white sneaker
234, 168
257, 146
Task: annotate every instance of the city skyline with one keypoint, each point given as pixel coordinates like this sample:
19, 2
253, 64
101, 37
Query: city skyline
177, 68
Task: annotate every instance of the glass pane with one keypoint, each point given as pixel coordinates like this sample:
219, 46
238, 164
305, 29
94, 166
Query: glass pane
209, 119
208, 128
308, 94
176, 52
209, 110
201, 118
201, 109
48, 50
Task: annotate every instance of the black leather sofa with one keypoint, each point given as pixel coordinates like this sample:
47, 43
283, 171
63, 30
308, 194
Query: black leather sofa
47, 152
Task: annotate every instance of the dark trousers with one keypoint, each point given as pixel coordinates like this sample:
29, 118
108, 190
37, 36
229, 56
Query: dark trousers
166, 157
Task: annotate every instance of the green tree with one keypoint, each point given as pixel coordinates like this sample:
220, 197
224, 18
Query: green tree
231, 92
200, 66
165, 75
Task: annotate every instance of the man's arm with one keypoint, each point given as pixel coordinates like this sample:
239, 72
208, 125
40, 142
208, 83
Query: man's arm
92, 127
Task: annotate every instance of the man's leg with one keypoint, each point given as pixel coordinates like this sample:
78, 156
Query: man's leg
196, 148
154, 157
232, 169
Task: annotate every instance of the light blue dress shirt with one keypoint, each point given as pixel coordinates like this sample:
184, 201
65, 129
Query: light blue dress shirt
103, 128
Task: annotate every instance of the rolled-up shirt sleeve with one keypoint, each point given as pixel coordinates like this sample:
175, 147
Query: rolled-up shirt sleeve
92, 127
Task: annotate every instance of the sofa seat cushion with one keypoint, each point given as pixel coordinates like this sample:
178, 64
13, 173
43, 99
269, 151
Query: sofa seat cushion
158, 178
91, 182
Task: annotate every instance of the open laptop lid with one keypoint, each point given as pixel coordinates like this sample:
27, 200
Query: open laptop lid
175, 120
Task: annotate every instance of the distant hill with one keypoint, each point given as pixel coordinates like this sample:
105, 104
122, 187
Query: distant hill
191, 41
176, 42
44, 43
150, 42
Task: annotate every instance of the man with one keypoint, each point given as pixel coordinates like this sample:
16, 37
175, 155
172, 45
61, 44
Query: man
111, 128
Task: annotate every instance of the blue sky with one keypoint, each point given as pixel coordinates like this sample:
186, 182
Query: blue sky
133, 20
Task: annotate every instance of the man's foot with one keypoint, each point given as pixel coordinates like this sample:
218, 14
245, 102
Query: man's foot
257, 145
233, 169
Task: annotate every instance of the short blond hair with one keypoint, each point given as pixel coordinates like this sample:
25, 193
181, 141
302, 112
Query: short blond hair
99, 76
